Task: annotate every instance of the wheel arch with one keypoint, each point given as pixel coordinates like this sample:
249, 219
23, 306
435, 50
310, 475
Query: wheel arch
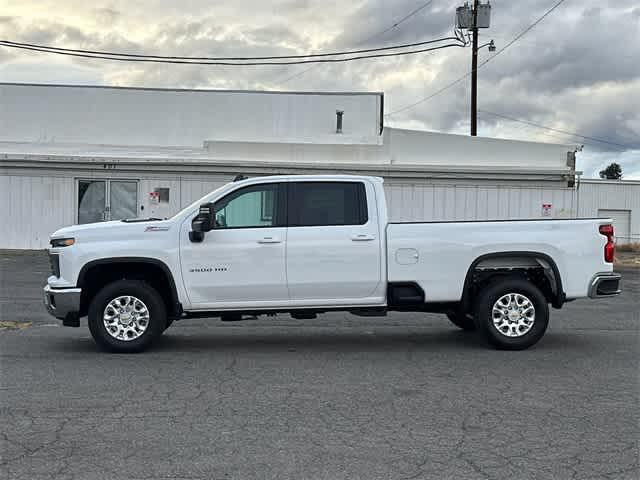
152, 270
549, 266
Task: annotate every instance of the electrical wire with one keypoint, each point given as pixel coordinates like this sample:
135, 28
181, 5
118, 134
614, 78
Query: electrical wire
10, 44
371, 37
482, 64
402, 20
197, 62
565, 132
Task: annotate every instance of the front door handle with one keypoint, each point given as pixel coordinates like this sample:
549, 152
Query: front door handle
269, 240
362, 237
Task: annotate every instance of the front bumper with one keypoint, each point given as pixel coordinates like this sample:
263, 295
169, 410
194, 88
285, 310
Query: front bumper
63, 303
605, 284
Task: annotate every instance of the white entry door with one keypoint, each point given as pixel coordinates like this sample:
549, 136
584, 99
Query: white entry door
333, 244
242, 260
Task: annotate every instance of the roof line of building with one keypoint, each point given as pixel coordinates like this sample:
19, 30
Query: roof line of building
238, 166
611, 182
203, 90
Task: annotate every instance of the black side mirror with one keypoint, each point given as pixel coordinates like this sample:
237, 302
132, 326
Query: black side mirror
203, 222
196, 237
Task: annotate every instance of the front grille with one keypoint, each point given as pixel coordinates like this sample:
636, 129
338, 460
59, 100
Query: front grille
54, 261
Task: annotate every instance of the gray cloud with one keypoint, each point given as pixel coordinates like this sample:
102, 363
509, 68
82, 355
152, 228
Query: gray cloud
578, 70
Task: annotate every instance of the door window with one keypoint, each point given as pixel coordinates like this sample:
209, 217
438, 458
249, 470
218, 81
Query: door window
123, 198
328, 203
255, 206
91, 201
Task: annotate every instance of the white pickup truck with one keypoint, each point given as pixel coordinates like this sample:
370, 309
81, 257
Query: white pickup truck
311, 244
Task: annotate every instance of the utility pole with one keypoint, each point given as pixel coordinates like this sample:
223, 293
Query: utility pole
473, 19
474, 71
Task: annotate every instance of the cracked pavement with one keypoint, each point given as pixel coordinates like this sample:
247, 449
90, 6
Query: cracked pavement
341, 397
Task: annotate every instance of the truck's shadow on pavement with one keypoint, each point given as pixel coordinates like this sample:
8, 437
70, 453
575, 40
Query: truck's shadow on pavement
315, 342
352, 342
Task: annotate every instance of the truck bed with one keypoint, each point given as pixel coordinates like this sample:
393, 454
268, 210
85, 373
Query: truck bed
438, 255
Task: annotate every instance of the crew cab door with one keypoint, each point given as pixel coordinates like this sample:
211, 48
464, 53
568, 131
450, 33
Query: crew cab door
242, 260
333, 244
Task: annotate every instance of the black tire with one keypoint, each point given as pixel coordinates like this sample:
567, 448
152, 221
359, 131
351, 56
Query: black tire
462, 320
168, 324
136, 288
484, 314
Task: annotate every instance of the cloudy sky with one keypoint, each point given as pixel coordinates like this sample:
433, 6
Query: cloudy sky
578, 70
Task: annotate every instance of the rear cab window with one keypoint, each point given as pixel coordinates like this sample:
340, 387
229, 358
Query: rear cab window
313, 204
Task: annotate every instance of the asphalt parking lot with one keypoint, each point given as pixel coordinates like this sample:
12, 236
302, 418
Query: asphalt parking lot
341, 397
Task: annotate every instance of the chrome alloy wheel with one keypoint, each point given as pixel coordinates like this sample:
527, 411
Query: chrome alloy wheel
126, 318
513, 315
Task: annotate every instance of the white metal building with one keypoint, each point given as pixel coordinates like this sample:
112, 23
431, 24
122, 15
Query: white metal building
75, 154
616, 199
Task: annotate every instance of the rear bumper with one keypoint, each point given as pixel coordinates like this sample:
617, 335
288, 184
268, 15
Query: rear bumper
605, 284
63, 303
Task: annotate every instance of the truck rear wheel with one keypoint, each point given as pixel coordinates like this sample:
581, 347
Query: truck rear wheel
462, 320
127, 316
511, 314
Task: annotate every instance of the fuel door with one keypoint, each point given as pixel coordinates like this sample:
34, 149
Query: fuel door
407, 256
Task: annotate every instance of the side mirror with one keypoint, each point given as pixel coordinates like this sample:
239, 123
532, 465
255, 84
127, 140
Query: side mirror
203, 222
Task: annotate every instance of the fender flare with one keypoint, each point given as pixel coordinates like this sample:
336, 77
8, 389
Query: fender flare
177, 307
559, 296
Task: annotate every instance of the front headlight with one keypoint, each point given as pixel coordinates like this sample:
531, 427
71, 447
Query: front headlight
62, 242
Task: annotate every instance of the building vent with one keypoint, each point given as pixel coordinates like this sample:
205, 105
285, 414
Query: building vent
339, 115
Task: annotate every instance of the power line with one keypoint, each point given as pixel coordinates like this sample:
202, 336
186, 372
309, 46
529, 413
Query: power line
371, 37
565, 132
482, 64
402, 20
10, 44
261, 63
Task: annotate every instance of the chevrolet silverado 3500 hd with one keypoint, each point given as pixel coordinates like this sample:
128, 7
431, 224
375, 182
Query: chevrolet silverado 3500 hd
311, 244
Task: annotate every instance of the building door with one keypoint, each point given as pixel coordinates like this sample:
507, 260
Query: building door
103, 200
621, 224
123, 199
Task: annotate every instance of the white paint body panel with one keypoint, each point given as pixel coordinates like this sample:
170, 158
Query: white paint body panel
315, 254
321, 266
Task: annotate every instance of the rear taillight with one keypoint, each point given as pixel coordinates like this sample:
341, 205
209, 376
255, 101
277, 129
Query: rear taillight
610, 246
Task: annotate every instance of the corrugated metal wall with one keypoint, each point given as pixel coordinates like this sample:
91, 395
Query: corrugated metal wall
34, 206
594, 195
414, 202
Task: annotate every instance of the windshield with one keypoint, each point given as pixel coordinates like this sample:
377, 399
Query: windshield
198, 202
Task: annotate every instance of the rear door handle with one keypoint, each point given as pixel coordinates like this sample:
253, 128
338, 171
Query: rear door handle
269, 240
362, 237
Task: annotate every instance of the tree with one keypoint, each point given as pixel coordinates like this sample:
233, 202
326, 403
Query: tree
612, 172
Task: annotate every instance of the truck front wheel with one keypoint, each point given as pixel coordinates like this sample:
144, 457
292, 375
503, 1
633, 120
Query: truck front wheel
127, 316
511, 314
